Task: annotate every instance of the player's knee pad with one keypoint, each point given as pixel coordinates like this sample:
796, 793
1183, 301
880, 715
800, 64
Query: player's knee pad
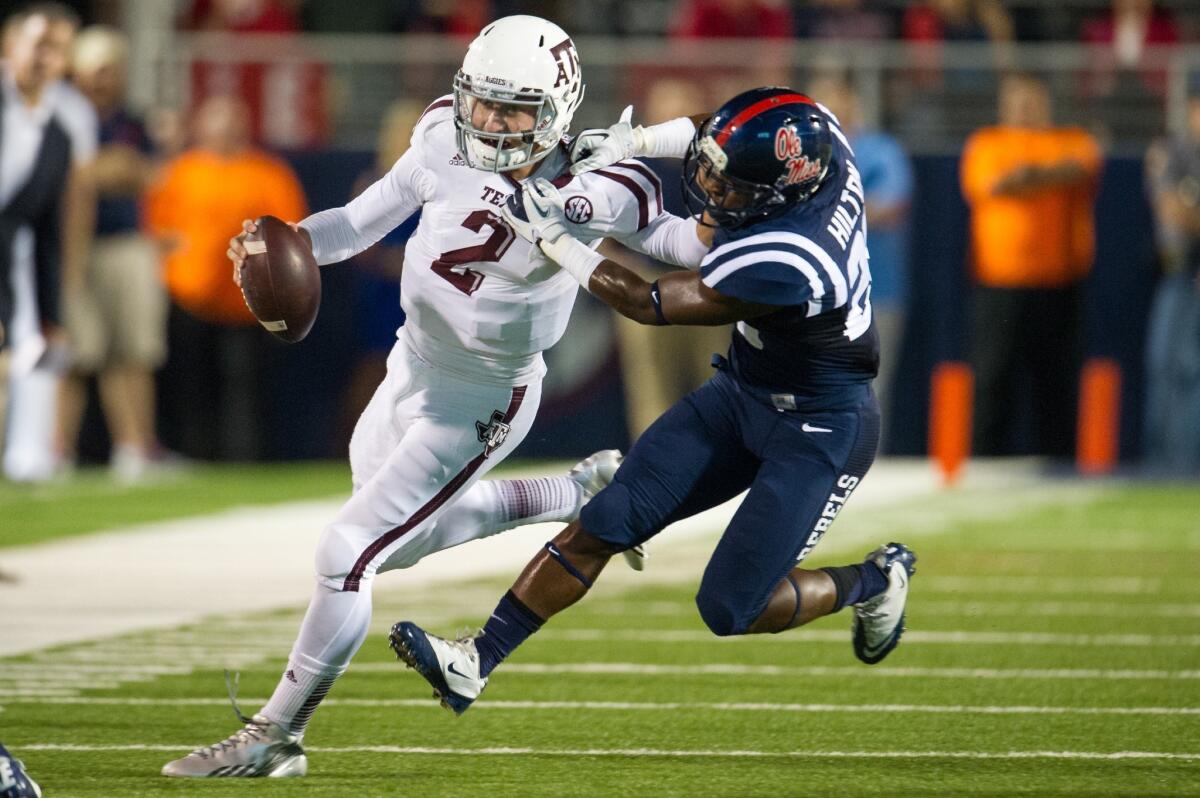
722, 617
338, 552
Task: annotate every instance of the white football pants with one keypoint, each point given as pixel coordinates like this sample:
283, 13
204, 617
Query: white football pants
417, 454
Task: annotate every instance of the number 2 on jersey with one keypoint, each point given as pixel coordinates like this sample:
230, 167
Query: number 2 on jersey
468, 280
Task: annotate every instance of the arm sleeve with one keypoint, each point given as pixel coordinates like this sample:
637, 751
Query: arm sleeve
341, 233
670, 239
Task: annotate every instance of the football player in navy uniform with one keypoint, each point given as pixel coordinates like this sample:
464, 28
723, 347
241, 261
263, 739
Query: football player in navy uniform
789, 415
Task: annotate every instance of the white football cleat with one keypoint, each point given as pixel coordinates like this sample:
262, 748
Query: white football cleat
450, 666
261, 748
879, 621
593, 473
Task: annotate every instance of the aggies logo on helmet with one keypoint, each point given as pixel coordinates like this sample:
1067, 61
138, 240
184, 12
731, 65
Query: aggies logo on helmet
568, 62
578, 209
788, 147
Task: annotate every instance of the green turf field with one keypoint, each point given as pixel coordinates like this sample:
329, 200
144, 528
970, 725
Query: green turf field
1052, 650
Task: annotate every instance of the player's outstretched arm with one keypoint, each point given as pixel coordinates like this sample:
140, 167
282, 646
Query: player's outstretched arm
597, 148
535, 212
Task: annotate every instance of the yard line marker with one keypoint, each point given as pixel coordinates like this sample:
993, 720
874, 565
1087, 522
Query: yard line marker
642, 669
52, 669
911, 636
655, 752
1052, 609
1025, 584
6, 693
51, 684
649, 706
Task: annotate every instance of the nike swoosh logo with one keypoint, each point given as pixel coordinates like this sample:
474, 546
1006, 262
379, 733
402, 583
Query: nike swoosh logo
810, 428
456, 671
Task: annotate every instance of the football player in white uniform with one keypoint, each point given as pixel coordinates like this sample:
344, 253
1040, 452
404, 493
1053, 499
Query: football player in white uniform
464, 378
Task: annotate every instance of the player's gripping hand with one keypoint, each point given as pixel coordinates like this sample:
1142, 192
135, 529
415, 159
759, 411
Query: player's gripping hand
237, 249
600, 147
535, 212
237, 245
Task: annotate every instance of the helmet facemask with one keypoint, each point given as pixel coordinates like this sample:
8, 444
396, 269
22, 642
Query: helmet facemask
732, 201
504, 151
735, 202
526, 70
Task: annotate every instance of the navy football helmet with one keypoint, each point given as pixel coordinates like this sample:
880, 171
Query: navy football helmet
761, 151
14, 781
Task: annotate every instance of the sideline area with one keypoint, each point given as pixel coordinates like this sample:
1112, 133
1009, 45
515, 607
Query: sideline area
169, 573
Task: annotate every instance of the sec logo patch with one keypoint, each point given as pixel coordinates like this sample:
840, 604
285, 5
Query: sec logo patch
578, 209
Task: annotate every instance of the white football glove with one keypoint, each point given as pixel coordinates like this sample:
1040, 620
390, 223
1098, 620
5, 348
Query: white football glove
535, 212
600, 147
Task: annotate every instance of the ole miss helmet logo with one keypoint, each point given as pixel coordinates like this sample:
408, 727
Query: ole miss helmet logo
789, 148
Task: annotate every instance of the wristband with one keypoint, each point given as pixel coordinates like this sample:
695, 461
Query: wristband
656, 302
668, 140
575, 257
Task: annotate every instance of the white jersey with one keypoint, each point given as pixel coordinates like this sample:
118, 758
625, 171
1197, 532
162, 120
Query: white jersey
479, 299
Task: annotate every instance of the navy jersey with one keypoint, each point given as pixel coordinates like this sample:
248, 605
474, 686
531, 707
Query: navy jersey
811, 260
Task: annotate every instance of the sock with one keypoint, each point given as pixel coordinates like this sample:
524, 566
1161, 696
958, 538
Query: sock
539, 500
333, 629
856, 583
511, 625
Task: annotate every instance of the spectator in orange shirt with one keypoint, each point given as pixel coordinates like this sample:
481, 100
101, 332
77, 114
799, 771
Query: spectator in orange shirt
211, 380
1031, 189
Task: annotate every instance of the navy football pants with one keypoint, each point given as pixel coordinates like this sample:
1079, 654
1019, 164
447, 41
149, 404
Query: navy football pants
799, 466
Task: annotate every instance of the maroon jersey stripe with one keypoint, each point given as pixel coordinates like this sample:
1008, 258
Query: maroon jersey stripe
647, 173
443, 103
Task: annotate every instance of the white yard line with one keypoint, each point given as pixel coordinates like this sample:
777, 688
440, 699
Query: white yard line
642, 706
14, 690
910, 637
738, 669
663, 753
1040, 585
1059, 609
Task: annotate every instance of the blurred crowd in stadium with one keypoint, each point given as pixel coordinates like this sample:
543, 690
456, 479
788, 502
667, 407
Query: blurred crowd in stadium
1052, 233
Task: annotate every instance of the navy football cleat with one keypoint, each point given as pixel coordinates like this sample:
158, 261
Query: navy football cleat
450, 666
879, 621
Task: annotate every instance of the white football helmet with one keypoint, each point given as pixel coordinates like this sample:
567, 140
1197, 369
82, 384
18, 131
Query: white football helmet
522, 63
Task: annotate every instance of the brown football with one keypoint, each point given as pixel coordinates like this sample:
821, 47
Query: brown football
280, 279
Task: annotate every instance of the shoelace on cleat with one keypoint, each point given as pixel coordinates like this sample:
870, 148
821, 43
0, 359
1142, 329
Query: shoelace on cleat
252, 732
